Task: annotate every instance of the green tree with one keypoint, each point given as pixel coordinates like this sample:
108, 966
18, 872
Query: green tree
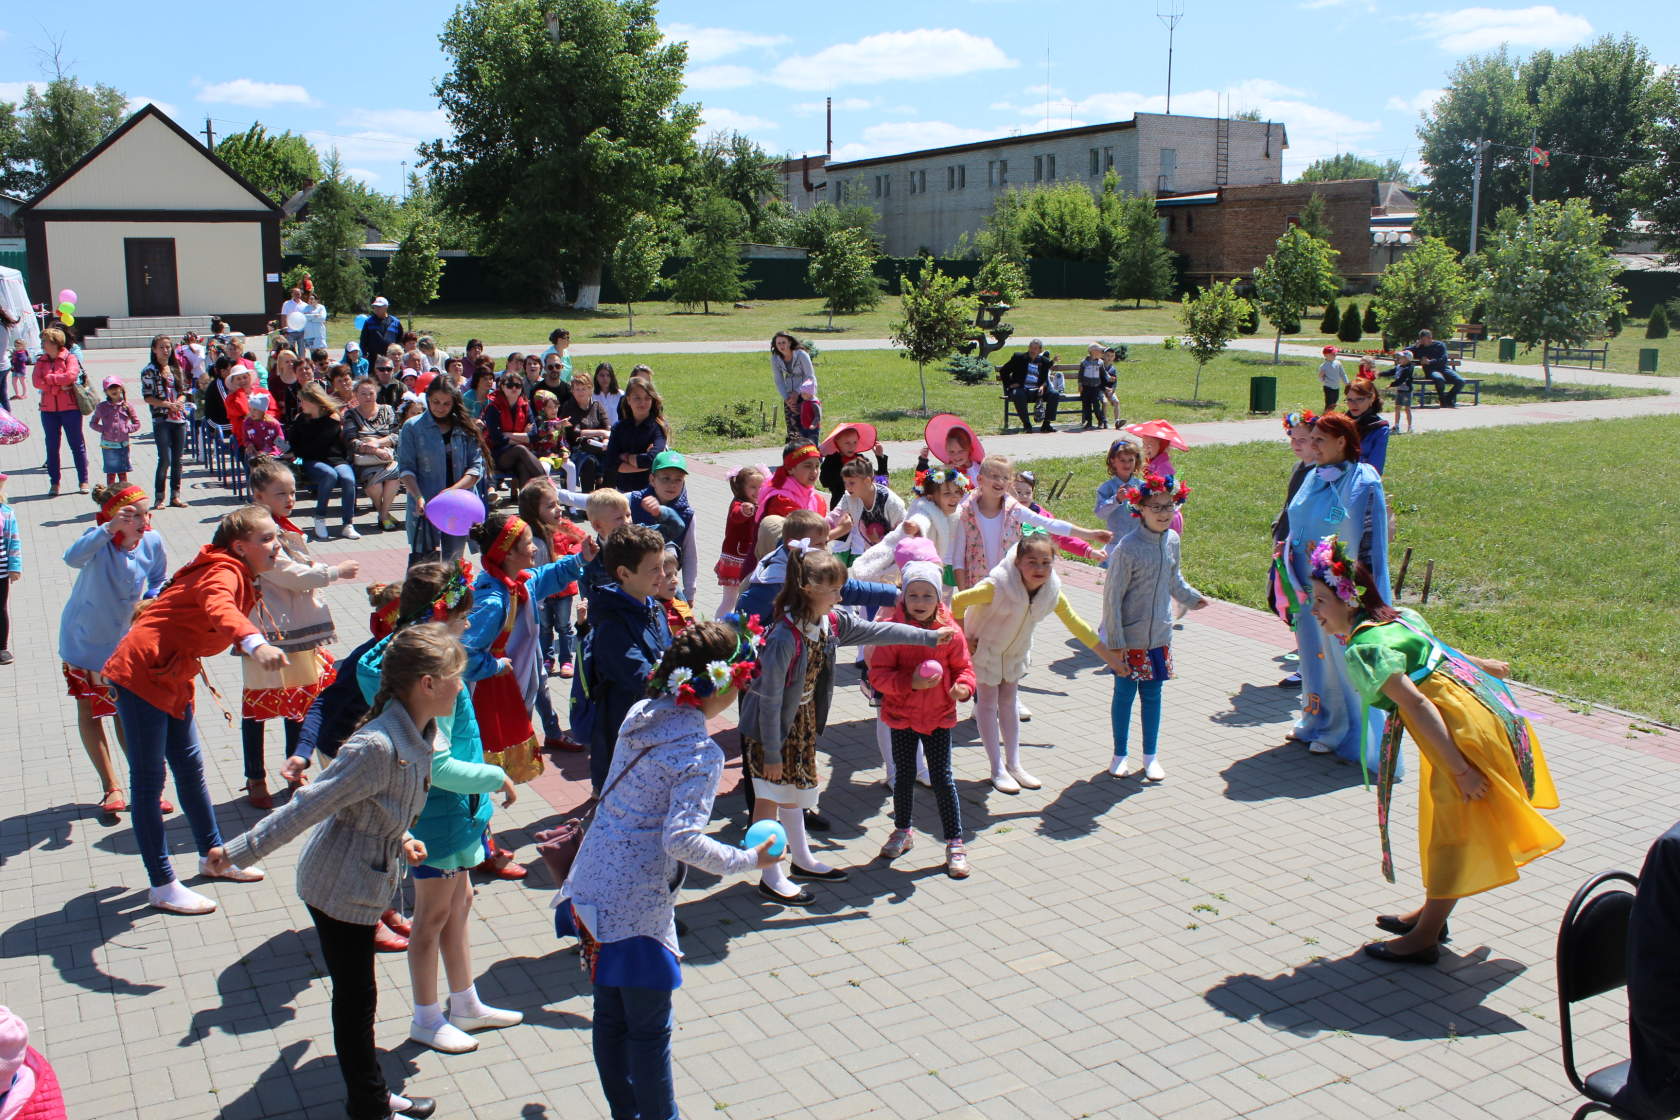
1656, 184
57, 125
843, 273
715, 272
330, 240
1141, 266
1484, 100
1300, 272
1315, 218
566, 120
1369, 323
416, 270
1332, 319
1059, 221
1251, 321
1657, 325
811, 229
1211, 318
1427, 289
938, 319
454, 229
733, 166
1005, 277
277, 164
636, 263
1547, 277
1349, 166
15, 170
1350, 330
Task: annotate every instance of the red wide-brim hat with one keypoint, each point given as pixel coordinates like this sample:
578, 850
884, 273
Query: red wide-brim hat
866, 436
941, 426
1161, 430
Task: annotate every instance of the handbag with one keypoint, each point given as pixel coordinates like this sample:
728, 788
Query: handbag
559, 845
810, 414
12, 428
85, 401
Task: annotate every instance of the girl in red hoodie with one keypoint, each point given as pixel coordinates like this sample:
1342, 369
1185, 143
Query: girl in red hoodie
920, 689
199, 613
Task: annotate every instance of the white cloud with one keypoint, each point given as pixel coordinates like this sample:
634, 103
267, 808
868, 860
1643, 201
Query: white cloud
422, 124
1421, 102
721, 77
708, 44
893, 137
841, 105
362, 173
13, 92
1481, 29
254, 95
714, 119
927, 52
169, 110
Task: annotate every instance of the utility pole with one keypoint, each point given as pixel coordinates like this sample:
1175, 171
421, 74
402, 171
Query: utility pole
209, 135
1476, 195
405, 182
1169, 12
1533, 146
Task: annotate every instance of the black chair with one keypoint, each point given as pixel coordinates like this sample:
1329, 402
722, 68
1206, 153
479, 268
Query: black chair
1592, 958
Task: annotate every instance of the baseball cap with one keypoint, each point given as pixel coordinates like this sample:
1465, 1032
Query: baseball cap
670, 460
353, 347
381, 301
259, 402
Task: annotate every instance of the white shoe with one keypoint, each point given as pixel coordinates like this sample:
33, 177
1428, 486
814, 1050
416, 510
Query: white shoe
924, 779
492, 1019
444, 1038
1122, 766
1319, 746
348, 532
1022, 712
1024, 779
1153, 772
320, 529
173, 898
888, 781
1003, 783
234, 874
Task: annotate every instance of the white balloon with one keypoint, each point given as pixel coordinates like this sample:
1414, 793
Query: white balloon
295, 321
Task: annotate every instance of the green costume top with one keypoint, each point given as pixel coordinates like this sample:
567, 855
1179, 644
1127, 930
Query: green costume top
1378, 650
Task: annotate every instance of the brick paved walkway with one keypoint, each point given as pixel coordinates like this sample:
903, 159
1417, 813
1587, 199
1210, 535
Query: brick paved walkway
1189, 949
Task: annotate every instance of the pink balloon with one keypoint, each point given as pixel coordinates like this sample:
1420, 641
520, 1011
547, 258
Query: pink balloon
930, 670
455, 512
68, 295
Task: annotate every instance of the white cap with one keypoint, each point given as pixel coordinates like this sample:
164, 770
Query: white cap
381, 301
353, 345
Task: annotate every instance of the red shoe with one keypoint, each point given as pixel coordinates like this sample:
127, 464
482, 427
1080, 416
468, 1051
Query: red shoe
396, 923
566, 669
501, 866
564, 743
166, 805
386, 940
114, 802
257, 794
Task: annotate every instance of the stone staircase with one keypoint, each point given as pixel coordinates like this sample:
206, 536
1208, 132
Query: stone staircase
136, 334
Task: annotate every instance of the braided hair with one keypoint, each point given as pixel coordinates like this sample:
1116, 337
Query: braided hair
427, 650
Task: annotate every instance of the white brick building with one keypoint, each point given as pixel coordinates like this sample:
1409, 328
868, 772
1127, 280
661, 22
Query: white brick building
927, 199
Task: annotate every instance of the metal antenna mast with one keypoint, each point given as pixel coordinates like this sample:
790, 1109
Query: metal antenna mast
1169, 12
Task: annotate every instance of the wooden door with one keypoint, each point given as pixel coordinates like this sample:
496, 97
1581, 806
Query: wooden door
151, 276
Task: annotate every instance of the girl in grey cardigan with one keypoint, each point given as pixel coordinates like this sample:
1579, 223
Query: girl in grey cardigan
361, 807
787, 706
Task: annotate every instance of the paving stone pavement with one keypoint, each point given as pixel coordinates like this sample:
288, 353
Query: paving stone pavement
1188, 950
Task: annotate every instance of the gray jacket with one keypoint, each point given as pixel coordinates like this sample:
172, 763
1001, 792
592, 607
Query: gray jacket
361, 806
1143, 576
781, 672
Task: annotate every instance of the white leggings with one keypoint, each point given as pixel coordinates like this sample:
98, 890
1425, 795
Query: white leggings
727, 604
995, 711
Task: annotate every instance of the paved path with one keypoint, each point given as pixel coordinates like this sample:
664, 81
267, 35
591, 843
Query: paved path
1189, 949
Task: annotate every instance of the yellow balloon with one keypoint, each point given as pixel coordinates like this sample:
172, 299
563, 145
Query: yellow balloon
67, 319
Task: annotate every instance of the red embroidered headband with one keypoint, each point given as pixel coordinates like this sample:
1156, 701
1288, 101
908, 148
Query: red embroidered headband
127, 496
498, 551
798, 455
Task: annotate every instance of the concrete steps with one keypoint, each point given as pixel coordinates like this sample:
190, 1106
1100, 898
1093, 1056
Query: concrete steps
130, 333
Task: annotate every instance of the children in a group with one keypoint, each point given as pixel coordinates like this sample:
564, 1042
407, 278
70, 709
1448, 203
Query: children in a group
759, 596
999, 615
949, 439
293, 616
1332, 378
555, 536
841, 446
793, 485
787, 706
736, 560
362, 808
1092, 379
1144, 578
637, 437
990, 520
608, 393
11, 570
931, 513
679, 615
1159, 438
1125, 467
116, 421
869, 504
547, 432
263, 434
919, 698
663, 503
1025, 490
628, 635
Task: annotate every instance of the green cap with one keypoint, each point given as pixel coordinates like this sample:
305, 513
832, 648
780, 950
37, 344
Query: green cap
670, 460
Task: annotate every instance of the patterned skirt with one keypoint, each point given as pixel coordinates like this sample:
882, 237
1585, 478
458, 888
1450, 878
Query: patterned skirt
100, 697
799, 751
504, 725
1149, 664
288, 692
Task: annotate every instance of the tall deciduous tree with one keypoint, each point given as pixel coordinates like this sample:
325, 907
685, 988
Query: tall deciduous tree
1484, 100
1349, 166
938, 318
277, 164
329, 242
715, 271
734, 166
636, 263
1300, 272
416, 270
567, 121
1141, 266
1211, 318
843, 272
56, 125
811, 229
1427, 289
1315, 217
1656, 185
1547, 277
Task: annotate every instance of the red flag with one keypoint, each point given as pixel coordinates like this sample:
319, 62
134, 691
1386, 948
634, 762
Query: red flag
1541, 156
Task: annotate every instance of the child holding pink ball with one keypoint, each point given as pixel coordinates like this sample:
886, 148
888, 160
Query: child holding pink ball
920, 690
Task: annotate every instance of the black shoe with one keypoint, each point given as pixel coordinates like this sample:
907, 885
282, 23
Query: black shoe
1046, 428
803, 898
1391, 923
1378, 950
815, 821
832, 875
5, 657
418, 1108
1293, 680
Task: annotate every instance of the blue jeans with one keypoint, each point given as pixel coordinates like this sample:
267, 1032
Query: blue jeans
1120, 713
171, 440
554, 628
153, 738
633, 1052
68, 421
1441, 378
324, 477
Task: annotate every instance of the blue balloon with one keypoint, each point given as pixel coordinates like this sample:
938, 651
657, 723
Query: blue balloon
360, 319
767, 830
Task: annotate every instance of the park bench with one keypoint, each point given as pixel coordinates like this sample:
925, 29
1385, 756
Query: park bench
1579, 355
1473, 332
1424, 395
1461, 347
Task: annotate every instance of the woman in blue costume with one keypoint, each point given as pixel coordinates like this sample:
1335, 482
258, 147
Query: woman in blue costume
1341, 497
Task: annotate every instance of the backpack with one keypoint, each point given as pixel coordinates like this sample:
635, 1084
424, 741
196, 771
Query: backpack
582, 708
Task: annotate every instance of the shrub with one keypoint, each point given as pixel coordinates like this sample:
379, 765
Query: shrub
1657, 326
737, 421
1250, 325
969, 370
1332, 320
1369, 323
1350, 330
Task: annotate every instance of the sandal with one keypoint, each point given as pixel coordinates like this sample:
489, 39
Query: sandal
114, 802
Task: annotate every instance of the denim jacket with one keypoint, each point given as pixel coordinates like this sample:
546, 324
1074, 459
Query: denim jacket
421, 454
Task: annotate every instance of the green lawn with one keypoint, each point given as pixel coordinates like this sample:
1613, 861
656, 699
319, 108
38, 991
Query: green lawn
881, 387
1567, 573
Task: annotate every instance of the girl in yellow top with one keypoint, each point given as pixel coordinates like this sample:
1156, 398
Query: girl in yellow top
999, 615
1482, 774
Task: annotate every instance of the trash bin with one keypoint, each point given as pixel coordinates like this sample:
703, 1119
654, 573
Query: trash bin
1507, 349
1262, 394
1647, 359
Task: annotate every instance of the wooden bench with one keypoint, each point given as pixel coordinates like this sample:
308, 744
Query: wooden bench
1424, 395
1576, 355
1473, 332
1461, 347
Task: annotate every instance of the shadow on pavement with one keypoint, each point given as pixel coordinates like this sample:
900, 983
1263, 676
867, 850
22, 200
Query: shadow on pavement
259, 988
1076, 810
73, 936
1256, 705
276, 1091
1287, 770
48, 829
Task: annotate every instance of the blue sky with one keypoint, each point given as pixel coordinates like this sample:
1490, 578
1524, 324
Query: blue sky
1342, 75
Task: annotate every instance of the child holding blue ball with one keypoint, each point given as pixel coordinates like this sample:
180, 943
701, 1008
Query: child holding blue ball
649, 823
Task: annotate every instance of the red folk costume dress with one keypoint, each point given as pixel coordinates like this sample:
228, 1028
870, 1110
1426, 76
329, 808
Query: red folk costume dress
293, 617
499, 703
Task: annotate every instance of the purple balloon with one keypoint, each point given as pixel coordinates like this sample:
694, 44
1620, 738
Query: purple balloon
455, 512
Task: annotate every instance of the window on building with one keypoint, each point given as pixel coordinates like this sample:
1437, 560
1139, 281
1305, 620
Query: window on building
1108, 159
875, 190
1096, 166
1169, 169
1049, 167
912, 182
1038, 169
956, 177
997, 172
921, 181
1189, 223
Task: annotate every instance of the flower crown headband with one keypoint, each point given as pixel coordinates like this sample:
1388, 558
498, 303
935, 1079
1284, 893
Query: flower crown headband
1292, 420
1140, 492
938, 476
449, 596
735, 671
1331, 566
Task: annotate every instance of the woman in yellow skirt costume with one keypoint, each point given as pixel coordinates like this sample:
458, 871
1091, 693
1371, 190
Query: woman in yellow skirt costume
1483, 774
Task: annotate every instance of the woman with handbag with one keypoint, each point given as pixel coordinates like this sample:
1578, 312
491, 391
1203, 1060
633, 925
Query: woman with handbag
650, 822
65, 399
370, 428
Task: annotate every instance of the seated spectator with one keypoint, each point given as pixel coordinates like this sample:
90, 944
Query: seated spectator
1026, 378
1653, 1084
370, 429
1437, 366
317, 438
507, 429
587, 429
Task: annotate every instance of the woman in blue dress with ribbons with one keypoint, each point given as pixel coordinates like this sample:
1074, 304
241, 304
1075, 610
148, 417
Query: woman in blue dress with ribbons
1341, 497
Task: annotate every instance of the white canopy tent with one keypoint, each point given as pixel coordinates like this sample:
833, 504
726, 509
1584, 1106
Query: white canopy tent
15, 299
